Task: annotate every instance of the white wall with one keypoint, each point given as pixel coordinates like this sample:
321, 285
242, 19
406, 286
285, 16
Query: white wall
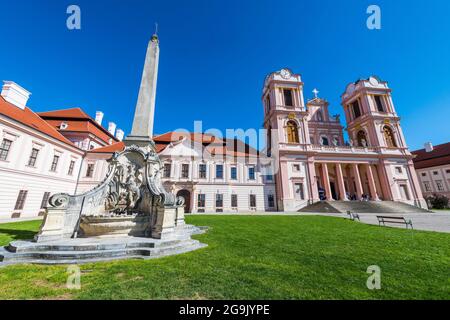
16, 175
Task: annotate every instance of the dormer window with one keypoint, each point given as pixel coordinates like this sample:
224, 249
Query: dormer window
288, 101
63, 126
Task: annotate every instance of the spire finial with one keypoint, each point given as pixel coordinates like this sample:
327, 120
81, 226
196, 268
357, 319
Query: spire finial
316, 92
155, 35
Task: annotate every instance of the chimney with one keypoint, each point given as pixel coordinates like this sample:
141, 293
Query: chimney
429, 147
99, 117
120, 134
112, 128
15, 94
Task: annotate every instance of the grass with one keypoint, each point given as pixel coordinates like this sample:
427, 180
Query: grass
256, 257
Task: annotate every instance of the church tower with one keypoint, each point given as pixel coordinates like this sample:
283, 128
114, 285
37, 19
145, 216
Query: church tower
373, 124
371, 117
284, 110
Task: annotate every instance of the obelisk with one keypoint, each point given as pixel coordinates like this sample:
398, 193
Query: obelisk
142, 130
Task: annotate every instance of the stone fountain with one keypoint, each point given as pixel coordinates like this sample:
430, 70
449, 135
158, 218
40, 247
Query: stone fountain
128, 215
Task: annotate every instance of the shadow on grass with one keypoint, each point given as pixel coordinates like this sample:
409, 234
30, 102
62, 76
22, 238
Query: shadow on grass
18, 234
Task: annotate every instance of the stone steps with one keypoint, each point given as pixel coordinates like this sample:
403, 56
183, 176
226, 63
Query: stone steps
362, 207
60, 255
86, 250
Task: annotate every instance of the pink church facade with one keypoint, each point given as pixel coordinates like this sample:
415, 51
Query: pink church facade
313, 161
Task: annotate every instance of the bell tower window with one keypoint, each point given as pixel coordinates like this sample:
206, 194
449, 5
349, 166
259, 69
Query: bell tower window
379, 103
288, 101
356, 109
292, 132
389, 137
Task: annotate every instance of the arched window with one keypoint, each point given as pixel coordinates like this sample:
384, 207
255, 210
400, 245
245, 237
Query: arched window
325, 141
292, 132
362, 139
319, 116
389, 137
336, 141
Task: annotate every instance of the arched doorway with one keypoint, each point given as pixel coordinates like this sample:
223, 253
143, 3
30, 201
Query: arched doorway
187, 199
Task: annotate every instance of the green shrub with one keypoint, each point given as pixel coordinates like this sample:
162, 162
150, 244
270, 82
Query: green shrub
438, 201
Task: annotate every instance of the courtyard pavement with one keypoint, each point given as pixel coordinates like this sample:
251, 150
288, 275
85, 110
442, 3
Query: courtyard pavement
438, 222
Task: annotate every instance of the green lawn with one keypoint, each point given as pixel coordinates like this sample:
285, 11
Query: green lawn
256, 257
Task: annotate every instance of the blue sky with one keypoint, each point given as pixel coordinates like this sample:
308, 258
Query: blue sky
215, 55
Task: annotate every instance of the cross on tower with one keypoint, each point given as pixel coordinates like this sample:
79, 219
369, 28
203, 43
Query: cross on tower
316, 92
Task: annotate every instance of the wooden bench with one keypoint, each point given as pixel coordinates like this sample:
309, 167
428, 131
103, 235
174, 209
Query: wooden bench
392, 219
353, 216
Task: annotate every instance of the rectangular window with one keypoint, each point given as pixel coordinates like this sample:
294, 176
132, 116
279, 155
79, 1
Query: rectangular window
219, 171
268, 103
447, 171
398, 169
404, 192
233, 173
44, 201
4, 149
234, 201
288, 97
271, 201
435, 173
269, 177
424, 174
379, 103
296, 167
71, 166
439, 185
185, 170
356, 109
251, 173
427, 186
252, 201
90, 170
167, 170
202, 171
33, 157
299, 191
201, 199
54, 163
20, 203
219, 200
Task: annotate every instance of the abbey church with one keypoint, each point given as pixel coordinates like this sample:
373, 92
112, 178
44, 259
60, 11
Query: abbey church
306, 160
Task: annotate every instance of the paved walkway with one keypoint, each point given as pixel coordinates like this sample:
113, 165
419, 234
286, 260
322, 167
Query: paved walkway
439, 222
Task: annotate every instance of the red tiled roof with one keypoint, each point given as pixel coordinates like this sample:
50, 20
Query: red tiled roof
438, 157
75, 113
78, 121
31, 119
218, 147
